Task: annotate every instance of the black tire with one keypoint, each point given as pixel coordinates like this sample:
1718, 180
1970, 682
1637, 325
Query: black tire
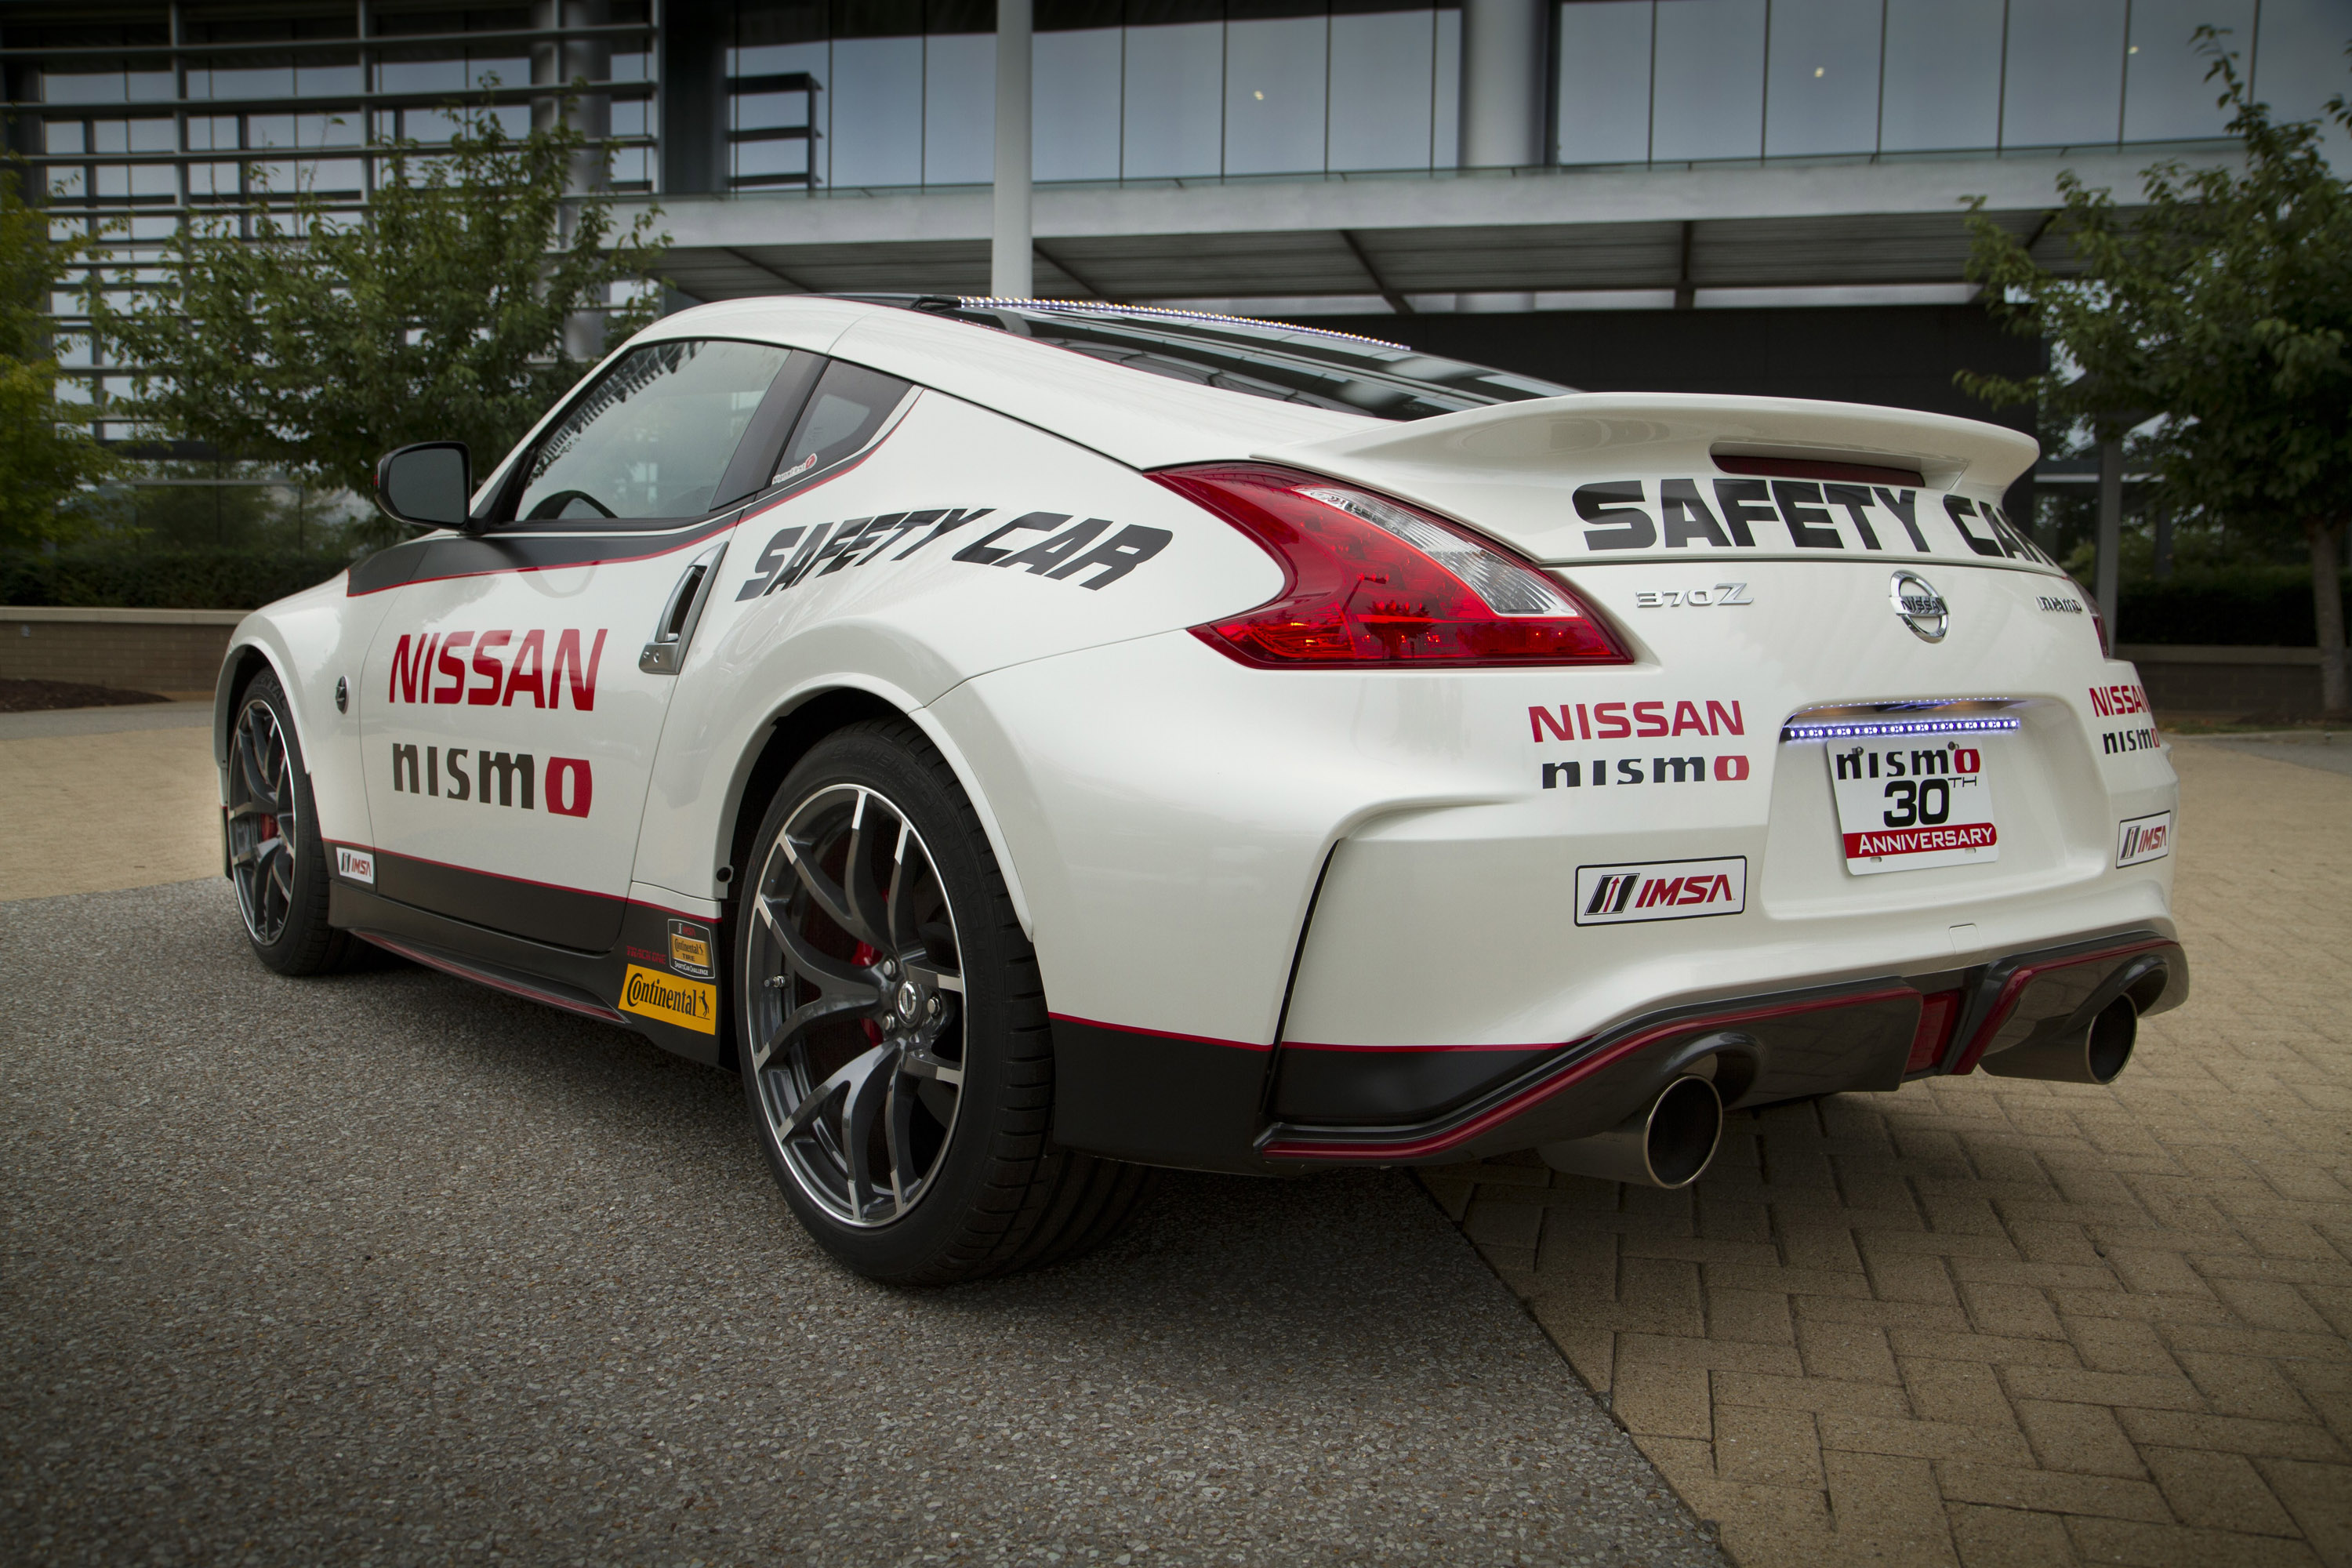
281, 877
896, 1042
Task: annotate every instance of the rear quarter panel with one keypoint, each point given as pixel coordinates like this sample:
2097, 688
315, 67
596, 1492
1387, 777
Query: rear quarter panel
966, 542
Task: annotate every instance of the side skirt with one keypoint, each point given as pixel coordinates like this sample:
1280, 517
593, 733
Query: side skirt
654, 982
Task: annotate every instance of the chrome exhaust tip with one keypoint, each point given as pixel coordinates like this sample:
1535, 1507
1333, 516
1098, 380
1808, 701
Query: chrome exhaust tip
2096, 1055
1666, 1143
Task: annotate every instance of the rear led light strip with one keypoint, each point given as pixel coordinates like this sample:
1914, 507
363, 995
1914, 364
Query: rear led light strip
1895, 727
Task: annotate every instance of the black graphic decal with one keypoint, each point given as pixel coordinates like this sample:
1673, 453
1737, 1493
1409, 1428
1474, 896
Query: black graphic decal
1958, 507
795, 554
1686, 517
1855, 502
771, 562
946, 520
1744, 502
1128, 548
1905, 505
983, 551
1634, 528
1043, 558
1809, 525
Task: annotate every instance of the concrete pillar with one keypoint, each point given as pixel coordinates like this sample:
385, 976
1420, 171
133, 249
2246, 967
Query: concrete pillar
1505, 69
591, 114
2111, 530
693, 74
1504, 44
1009, 265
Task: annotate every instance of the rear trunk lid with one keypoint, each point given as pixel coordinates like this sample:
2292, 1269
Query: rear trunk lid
1682, 476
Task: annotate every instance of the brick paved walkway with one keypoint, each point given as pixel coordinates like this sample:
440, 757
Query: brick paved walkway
1991, 1321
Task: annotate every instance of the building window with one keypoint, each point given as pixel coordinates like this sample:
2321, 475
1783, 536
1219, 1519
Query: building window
1708, 84
1604, 81
2062, 82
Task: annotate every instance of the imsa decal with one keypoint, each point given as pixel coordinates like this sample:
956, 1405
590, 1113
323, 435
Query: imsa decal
1660, 890
2143, 838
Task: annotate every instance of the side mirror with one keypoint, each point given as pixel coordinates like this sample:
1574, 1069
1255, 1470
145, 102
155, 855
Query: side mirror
429, 484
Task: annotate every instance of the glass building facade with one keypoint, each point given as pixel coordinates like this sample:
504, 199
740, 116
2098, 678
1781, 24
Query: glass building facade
897, 93
135, 114
159, 106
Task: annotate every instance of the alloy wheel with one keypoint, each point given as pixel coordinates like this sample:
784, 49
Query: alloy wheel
263, 825
854, 1003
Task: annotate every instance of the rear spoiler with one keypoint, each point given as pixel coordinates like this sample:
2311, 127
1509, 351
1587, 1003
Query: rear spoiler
1513, 470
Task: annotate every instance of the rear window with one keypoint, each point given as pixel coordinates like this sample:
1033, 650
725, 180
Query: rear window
1274, 360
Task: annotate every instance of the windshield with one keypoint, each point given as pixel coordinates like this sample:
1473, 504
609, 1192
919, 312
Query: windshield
1277, 360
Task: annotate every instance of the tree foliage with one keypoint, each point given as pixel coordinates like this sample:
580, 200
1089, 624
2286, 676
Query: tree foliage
45, 460
319, 341
2221, 309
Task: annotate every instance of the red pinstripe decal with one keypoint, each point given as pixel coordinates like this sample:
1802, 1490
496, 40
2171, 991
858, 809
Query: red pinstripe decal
496, 982
1535, 1094
1157, 1034
2014, 987
523, 882
704, 536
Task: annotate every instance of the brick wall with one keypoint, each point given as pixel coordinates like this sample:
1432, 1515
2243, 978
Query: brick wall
2279, 682
139, 650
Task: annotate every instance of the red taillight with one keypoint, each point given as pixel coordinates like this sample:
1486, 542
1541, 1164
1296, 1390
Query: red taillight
2098, 621
1369, 580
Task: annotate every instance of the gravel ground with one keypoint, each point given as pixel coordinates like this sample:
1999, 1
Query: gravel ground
2335, 759
389, 1268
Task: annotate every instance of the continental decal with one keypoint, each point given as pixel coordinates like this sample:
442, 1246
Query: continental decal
1713, 514
1087, 553
666, 999
503, 667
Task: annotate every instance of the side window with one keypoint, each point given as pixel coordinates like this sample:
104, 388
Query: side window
653, 438
850, 405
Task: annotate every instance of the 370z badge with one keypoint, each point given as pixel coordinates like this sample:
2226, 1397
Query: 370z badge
1660, 890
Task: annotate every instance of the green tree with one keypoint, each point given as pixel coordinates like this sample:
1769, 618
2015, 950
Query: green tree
318, 341
2222, 306
45, 461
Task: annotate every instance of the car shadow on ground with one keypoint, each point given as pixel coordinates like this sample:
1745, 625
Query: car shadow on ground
385, 1261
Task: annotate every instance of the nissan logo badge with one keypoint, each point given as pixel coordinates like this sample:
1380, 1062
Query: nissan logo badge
1919, 607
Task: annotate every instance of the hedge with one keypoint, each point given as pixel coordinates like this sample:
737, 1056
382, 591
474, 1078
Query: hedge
2246, 607
163, 579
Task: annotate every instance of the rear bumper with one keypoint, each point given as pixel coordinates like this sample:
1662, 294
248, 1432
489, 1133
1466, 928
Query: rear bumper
1183, 1100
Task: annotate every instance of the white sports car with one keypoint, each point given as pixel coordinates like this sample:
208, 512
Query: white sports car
1032, 743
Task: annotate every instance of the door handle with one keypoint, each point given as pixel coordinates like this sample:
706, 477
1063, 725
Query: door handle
679, 616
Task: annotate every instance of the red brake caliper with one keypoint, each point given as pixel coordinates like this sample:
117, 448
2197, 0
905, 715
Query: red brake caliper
864, 956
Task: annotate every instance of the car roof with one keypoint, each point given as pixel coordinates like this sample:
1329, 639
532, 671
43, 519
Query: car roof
1145, 420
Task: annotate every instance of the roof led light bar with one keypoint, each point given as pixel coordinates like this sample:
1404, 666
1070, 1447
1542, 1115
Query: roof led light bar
994, 301
1866, 729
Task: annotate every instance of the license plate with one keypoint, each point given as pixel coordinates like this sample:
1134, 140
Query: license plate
1920, 802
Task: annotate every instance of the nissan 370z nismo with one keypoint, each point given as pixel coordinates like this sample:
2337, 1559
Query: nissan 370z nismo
1035, 743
